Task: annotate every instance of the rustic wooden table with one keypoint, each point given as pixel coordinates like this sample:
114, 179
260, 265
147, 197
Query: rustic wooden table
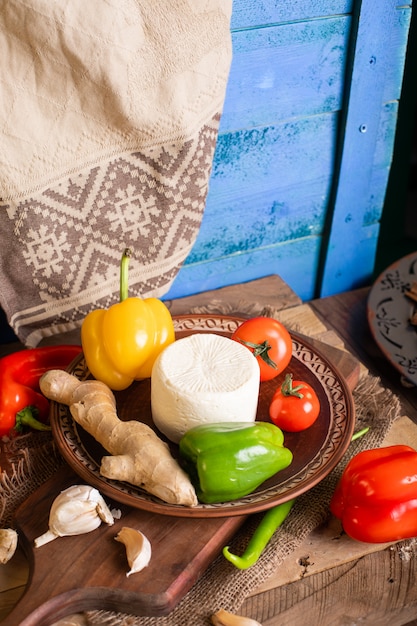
375, 588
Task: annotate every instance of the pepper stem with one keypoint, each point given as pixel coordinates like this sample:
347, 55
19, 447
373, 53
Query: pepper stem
27, 417
124, 272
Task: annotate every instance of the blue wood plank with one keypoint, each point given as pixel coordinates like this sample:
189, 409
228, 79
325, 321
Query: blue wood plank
250, 13
381, 164
361, 264
298, 69
268, 186
290, 212
261, 220
295, 261
286, 71
397, 50
273, 157
364, 105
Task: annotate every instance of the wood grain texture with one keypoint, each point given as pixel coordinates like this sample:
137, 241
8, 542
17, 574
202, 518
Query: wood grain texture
378, 589
252, 296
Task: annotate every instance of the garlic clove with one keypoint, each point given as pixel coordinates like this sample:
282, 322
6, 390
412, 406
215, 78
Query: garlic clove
138, 548
103, 510
8, 544
75, 511
224, 618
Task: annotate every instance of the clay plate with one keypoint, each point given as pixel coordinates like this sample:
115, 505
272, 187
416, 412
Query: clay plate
389, 312
316, 450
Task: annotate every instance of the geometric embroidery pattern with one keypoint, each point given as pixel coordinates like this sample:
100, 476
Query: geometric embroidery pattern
62, 247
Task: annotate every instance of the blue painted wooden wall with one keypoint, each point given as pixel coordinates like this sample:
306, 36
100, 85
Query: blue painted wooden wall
305, 145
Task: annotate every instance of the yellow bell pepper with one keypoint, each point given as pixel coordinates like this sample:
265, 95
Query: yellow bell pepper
121, 343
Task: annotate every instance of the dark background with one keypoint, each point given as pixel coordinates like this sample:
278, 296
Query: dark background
398, 234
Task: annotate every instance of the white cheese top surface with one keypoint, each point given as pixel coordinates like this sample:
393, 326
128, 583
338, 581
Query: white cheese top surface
203, 378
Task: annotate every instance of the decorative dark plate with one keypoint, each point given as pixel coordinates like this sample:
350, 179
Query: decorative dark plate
389, 311
316, 450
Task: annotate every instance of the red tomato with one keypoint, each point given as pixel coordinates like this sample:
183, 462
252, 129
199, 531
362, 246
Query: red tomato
294, 406
269, 341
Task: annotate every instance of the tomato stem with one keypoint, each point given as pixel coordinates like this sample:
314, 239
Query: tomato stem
288, 389
124, 267
260, 349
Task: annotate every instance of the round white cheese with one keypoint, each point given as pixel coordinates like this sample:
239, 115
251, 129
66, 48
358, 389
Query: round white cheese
203, 378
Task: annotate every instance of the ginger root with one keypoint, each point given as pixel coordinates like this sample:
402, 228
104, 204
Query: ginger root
139, 456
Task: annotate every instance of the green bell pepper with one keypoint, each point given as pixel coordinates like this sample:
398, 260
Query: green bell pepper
229, 460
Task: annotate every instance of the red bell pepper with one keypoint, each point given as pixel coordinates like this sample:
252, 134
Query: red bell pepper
376, 497
20, 396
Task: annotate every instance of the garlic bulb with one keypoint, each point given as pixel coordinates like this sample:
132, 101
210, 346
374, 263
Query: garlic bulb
138, 548
224, 618
75, 511
8, 544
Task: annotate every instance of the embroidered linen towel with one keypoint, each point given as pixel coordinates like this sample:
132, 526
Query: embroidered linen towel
109, 118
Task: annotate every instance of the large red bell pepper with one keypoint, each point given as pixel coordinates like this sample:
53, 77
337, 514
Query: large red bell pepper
20, 398
376, 497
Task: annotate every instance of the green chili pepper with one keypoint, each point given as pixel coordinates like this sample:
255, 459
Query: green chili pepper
360, 433
227, 461
272, 520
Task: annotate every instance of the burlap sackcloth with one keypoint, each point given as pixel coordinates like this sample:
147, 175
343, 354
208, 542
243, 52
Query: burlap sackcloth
222, 585
109, 114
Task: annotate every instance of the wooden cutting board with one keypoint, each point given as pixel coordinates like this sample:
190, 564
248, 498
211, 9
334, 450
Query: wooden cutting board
84, 572
88, 572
